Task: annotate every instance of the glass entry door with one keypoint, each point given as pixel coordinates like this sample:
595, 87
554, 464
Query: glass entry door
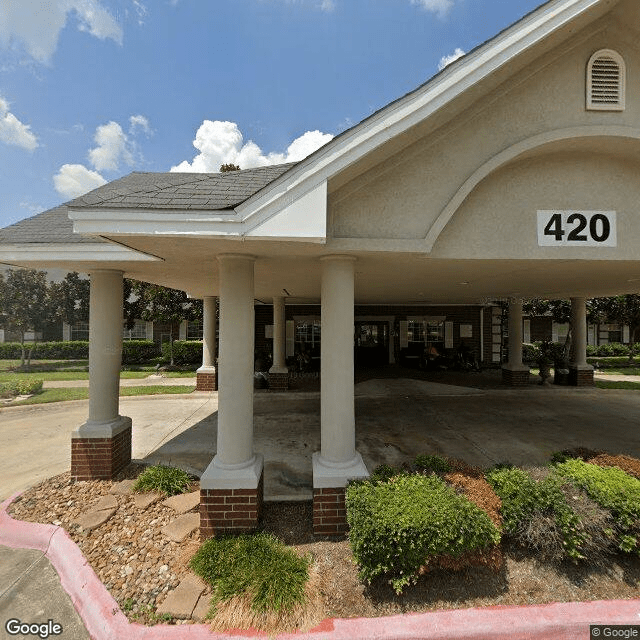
371, 343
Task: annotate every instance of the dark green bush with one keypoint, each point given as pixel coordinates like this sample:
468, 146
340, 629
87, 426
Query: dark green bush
398, 526
437, 464
383, 473
612, 489
184, 352
139, 351
537, 514
273, 574
163, 479
530, 353
133, 351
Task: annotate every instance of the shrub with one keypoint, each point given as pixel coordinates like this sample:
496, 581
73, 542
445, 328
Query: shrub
184, 352
139, 351
436, 464
20, 388
169, 480
612, 489
383, 473
530, 353
399, 527
537, 514
273, 575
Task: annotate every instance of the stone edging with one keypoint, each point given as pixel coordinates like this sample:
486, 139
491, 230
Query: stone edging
104, 620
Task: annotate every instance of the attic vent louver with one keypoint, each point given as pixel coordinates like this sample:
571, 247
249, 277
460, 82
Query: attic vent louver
605, 81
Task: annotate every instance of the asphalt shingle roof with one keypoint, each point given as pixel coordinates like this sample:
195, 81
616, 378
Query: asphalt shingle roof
186, 191
52, 226
171, 191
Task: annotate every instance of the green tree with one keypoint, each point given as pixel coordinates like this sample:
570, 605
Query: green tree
152, 302
624, 309
70, 298
25, 305
225, 168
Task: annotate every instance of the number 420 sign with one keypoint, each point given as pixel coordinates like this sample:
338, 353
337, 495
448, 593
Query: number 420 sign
577, 229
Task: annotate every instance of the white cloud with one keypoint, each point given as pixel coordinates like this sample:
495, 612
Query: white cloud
139, 122
12, 131
222, 142
113, 147
73, 180
37, 24
327, 5
439, 7
445, 61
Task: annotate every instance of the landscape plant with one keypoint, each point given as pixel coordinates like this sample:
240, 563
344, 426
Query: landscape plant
612, 489
163, 479
399, 527
257, 565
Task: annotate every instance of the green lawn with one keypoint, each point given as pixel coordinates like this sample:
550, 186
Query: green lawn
612, 384
75, 393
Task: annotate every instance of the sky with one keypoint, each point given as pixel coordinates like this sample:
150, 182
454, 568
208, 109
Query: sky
91, 90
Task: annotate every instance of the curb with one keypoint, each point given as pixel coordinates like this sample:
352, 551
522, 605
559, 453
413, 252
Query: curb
104, 620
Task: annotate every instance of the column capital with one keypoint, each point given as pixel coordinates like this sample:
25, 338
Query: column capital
223, 257
515, 300
338, 258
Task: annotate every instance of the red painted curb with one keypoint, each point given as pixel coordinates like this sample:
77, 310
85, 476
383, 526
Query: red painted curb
105, 621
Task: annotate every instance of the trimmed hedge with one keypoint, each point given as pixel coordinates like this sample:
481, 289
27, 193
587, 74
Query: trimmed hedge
184, 351
133, 351
398, 527
610, 350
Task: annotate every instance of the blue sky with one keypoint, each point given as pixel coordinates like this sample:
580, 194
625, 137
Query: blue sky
93, 89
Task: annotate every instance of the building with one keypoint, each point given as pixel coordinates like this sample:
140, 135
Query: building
510, 174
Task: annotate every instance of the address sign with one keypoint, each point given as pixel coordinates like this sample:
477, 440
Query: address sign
577, 229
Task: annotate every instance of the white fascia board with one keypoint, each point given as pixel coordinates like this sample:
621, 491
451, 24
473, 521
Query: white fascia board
304, 219
85, 252
416, 107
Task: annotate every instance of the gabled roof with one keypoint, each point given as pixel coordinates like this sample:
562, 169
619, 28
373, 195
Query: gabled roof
177, 191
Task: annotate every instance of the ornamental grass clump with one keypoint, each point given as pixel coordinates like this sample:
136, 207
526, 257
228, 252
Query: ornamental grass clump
549, 516
398, 528
614, 490
163, 479
255, 569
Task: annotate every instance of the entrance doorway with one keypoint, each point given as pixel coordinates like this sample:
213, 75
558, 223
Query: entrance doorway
371, 343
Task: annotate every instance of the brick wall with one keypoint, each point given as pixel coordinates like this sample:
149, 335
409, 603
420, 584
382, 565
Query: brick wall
515, 378
230, 510
329, 512
278, 381
100, 458
206, 381
583, 378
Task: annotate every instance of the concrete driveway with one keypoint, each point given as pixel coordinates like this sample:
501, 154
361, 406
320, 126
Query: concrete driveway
395, 420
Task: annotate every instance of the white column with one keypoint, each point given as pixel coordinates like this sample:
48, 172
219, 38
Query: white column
235, 465
279, 337
579, 334
515, 337
338, 461
209, 327
105, 356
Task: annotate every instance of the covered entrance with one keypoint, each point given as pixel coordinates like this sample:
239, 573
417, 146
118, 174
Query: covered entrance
371, 343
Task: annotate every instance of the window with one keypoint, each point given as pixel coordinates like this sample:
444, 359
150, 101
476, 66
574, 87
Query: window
194, 330
415, 331
308, 333
80, 331
606, 81
139, 331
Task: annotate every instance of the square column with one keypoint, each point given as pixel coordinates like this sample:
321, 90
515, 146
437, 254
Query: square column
514, 373
231, 486
101, 447
206, 375
580, 372
279, 374
338, 461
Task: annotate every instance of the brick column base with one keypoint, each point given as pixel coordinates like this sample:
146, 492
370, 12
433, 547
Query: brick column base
329, 512
230, 510
206, 381
581, 377
515, 378
100, 458
279, 381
